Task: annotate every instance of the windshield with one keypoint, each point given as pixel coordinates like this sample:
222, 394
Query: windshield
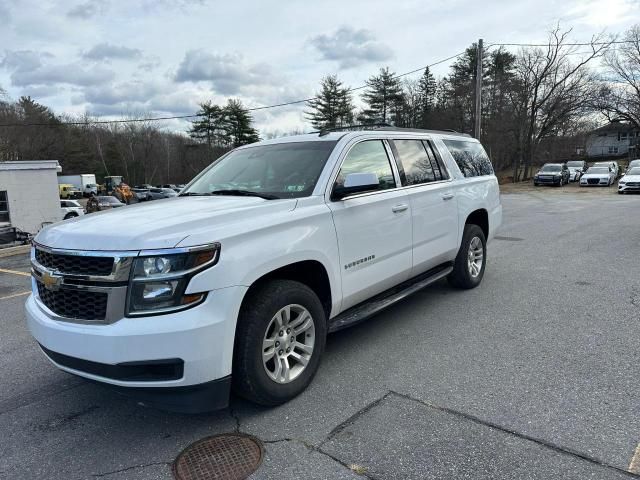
285, 170
574, 164
634, 171
634, 163
551, 168
598, 170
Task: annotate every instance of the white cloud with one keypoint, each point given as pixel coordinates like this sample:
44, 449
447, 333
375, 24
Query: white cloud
351, 47
107, 51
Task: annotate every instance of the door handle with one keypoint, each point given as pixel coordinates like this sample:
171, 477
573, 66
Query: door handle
399, 208
447, 196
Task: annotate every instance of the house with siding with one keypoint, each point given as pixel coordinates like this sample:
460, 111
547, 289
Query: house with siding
614, 139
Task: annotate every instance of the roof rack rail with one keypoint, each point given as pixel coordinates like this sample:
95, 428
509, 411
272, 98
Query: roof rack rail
364, 126
387, 127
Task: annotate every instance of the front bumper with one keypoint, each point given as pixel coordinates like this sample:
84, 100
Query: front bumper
629, 188
200, 339
601, 183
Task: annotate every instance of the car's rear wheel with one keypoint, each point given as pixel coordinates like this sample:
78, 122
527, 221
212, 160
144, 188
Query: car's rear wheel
280, 339
70, 215
468, 268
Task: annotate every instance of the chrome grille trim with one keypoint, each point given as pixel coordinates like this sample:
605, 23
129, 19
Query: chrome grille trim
113, 285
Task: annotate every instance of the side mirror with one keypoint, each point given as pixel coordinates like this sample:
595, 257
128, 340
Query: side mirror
356, 183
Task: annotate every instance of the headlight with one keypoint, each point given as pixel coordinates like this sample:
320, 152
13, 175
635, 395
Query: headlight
159, 281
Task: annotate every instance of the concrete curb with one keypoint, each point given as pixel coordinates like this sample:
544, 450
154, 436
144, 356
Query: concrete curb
20, 249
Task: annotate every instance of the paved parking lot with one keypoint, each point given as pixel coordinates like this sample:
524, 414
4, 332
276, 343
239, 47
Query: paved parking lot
532, 375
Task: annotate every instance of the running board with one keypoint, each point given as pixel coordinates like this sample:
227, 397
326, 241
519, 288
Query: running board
370, 307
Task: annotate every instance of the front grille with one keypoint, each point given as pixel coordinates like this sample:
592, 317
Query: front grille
75, 265
593, 181
76, 304
633, 184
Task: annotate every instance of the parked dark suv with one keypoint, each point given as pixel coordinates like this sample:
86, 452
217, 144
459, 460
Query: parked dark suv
552, 174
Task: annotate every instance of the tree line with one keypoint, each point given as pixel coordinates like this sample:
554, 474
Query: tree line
537, 105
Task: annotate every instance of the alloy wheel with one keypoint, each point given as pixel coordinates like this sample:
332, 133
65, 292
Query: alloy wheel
288, 343
475, 257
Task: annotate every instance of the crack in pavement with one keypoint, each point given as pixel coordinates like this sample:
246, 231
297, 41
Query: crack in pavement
126, 469
524, 436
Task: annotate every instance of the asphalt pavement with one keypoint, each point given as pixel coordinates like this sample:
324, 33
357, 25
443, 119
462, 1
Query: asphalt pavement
532, 375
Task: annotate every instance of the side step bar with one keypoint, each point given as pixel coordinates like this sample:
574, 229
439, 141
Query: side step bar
370, 307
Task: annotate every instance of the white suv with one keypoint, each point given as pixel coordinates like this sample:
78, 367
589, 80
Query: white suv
236, 282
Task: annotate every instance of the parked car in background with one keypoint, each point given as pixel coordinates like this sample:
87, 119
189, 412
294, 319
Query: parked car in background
615, 168
145, 186
633, 164
107, 202
160, 193
576, 169
602, 176
141, 194
70, 209
552, 174
630, 181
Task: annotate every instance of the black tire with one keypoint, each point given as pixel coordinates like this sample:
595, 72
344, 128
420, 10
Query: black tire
70, 215
461, 277
249, 379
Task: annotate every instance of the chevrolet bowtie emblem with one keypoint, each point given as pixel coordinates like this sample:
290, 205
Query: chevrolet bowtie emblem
51, 281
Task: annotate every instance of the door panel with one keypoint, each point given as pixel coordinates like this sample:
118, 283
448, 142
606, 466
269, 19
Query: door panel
433, 203
374, 238
435, 225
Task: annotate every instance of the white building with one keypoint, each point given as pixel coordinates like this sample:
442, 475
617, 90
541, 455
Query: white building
29, 196
616, 138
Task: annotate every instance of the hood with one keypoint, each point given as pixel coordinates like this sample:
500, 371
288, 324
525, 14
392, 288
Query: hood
549, 174
595, 175
158, 224
630, 178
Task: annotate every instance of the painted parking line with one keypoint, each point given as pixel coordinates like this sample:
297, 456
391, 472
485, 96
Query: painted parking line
634, 466
21, 294
15, 272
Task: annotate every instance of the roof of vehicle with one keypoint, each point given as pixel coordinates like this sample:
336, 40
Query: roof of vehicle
553, 164
335, 135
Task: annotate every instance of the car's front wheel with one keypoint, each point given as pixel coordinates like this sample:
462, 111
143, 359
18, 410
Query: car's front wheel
280, 339
468, 268
70, 215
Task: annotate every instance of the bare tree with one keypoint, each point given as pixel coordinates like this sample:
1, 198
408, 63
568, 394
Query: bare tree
552, 90
619, 94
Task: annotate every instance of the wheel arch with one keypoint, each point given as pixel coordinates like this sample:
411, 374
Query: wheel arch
311, 273
479, 217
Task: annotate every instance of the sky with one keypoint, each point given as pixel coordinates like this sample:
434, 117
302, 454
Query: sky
116, 58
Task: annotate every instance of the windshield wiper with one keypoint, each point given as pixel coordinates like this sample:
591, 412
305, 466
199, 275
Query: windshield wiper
193, 194
245, 193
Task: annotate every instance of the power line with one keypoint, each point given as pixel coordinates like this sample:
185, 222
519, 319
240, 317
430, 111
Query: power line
182, 117
587, 44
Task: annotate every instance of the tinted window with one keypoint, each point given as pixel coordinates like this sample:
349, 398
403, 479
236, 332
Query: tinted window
470, 157
416, 163
369, 156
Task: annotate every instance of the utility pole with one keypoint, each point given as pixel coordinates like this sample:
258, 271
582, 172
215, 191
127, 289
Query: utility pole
478, 110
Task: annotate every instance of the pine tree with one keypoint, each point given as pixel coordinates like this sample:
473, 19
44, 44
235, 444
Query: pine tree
210, 125
383, 98
332, 107
426, 98
238, 124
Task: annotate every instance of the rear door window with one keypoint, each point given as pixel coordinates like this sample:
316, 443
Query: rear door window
415, 165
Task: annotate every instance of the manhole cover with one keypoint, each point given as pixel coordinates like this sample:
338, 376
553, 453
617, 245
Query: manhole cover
231, 456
